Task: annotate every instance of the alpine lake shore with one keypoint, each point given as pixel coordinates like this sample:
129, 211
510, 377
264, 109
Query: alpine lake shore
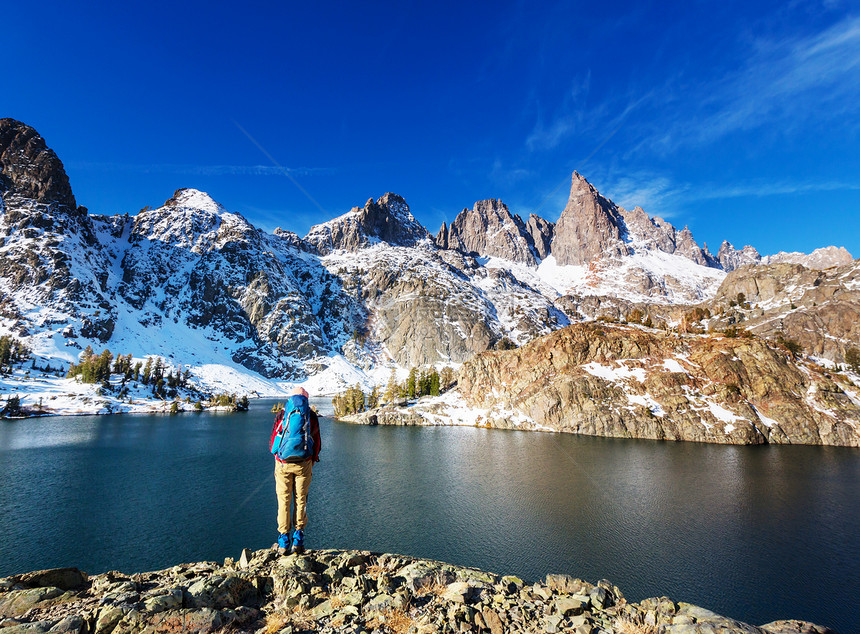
343, 592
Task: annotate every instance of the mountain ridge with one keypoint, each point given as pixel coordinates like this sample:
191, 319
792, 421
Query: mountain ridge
371, 287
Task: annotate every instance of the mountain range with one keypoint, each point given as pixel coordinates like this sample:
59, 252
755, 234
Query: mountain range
370, 289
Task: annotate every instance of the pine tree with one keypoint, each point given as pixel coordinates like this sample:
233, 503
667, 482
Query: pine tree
434, 382
158, 370
392, 390
147, 371
373, 398
423, 385
411, 383
357, 399
103, 365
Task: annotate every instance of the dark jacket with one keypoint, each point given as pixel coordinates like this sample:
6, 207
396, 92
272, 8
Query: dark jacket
315, 434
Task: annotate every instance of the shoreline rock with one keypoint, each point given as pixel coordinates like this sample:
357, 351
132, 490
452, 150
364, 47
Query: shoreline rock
342, 592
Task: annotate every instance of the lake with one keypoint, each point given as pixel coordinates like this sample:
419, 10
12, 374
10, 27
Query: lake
755, 533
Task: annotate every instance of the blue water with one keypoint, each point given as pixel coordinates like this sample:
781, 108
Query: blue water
756, 533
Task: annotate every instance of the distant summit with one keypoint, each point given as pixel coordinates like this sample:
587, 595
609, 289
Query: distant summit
490, 229
386, 220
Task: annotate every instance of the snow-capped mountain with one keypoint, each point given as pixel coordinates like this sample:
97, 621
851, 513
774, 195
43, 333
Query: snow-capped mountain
201, 285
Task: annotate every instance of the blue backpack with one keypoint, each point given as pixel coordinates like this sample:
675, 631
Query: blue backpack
292, 441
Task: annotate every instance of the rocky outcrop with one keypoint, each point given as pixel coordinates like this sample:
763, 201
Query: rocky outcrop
823, 258
490, 230
387, 220
339, 592
30, 169
731, 258
541, 232
590, 226
819, 310
633, 382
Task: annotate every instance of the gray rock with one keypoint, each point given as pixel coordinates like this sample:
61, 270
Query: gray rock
458, 592
108, 618
36, 627
382, 602
551, 623
17, 602
570, 606
169, 601
492, 621
63, 578
600, 598
73, 623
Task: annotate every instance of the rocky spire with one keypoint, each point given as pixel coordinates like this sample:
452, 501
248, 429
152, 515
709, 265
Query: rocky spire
589, 227
731, 258
541, 232
30, 169
441, 238
491, 230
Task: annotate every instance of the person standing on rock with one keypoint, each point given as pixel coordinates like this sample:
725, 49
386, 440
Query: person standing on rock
295, 443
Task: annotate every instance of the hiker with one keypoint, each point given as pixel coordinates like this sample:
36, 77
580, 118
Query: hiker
295, 444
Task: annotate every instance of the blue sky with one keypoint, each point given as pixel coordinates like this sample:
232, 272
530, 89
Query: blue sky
739, 119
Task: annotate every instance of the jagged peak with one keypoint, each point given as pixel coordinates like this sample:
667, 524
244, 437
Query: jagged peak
189, 198
388, 219
30, 169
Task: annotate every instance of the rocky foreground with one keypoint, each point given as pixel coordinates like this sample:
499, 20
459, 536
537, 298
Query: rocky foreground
343, 592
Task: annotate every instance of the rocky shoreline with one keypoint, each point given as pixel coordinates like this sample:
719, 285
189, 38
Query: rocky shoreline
344, 592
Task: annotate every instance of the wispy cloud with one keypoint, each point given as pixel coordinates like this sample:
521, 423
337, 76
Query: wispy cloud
548, 134
198, 170
661, 196
788, 81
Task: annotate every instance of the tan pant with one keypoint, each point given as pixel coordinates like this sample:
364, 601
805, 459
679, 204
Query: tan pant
289, 477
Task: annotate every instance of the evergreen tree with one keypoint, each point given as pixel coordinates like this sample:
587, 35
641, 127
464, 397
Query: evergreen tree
103, 366
357, 399
411, 383
137, 367
147, 371
423, 383
373, 398
392, 390
434, 382
158, 369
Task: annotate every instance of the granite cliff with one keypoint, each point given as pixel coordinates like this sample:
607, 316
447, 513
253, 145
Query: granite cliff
634, 382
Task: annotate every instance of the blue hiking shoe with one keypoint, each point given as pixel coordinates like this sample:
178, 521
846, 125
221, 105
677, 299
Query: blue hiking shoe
284, 543
298, 541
